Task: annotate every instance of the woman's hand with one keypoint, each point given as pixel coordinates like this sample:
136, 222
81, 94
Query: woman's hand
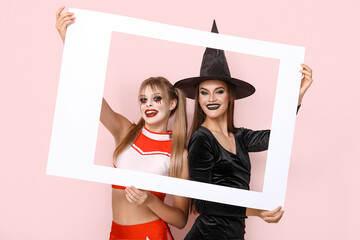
273, 216
136, 196
306, 81
62, 21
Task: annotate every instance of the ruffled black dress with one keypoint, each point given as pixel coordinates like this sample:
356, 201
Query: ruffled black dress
209, 162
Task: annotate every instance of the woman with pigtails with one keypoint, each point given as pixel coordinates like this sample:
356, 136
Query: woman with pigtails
150, 147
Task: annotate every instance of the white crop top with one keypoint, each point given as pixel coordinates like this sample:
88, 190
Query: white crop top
149, 153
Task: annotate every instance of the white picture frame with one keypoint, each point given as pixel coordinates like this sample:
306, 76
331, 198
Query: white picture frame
80, 93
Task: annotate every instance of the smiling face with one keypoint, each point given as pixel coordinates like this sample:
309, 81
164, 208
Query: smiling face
155, 108
214, 98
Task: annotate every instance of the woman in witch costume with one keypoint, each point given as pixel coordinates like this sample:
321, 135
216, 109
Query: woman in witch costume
149, 147
217, 151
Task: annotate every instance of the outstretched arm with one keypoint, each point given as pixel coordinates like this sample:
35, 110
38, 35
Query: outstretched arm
116, 123
275, 215
175, 215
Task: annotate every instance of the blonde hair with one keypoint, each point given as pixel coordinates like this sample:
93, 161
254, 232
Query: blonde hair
179, 137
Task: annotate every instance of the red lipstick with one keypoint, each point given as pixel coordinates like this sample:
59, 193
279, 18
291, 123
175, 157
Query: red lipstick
150, 112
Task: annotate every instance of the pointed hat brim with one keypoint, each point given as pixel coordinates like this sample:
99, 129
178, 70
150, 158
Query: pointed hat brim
241, 89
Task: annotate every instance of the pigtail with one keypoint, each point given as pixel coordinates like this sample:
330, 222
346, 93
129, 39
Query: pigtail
179, 137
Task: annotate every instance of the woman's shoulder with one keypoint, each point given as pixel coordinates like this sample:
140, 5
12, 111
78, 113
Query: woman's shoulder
201, 134
201, 140
240, 131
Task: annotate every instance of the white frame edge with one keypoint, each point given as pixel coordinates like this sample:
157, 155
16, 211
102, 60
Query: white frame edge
81, 86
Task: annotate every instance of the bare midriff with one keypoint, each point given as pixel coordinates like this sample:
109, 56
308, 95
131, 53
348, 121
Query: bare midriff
126, 213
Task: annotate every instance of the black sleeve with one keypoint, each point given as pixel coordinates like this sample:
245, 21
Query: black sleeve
201, 162
254, 141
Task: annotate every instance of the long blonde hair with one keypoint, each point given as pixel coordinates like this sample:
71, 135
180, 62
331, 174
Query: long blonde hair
178, 143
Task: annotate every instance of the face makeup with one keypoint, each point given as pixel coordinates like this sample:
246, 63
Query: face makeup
213, 98
154, 109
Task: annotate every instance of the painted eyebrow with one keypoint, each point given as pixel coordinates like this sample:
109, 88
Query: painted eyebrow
153, 94
214, 89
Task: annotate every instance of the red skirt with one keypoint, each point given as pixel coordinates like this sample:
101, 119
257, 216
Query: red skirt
155, 230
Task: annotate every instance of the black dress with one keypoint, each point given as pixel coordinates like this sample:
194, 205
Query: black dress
209, 162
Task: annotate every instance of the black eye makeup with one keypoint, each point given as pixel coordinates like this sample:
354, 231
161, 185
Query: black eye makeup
220, 91
157, 99
202, 92
143, 100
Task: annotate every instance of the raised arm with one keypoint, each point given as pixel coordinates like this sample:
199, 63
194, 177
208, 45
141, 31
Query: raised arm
116, 123
175, 215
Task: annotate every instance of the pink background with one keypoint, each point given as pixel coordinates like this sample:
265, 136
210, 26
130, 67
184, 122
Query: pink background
323, 186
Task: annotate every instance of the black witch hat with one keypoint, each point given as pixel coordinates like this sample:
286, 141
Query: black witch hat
214, 67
